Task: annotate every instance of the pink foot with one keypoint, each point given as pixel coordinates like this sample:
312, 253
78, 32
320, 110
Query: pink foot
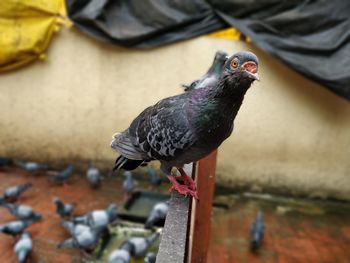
187, 180
182, 189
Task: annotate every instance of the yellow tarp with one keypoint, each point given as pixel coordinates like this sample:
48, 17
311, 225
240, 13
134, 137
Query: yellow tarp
230, 33
26, 28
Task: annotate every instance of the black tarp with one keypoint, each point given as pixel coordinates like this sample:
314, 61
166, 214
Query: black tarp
312, 37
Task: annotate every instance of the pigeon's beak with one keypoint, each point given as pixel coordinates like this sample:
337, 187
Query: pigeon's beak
252, 69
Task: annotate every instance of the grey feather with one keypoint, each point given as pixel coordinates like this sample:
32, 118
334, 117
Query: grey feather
119, 256
22, 211
93, 175
23, 247
187, 127
129, 182
62, 176
32, 166
14, 192
99, 219
157, 214
62, 209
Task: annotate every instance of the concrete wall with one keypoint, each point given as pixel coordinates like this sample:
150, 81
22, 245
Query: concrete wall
290, 133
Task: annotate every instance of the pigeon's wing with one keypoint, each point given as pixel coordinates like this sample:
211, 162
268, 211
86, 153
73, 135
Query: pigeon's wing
162, 131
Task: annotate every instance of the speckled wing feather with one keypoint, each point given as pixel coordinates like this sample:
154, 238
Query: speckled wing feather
160, 132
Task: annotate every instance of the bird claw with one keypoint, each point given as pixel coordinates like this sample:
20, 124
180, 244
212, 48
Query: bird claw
184, 190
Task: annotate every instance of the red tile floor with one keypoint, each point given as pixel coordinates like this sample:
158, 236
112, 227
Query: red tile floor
295, 231
47, 233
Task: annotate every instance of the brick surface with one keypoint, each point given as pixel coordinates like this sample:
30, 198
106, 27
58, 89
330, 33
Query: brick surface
291, 237
48, 233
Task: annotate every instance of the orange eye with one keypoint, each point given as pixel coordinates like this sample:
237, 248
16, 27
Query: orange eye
234, 64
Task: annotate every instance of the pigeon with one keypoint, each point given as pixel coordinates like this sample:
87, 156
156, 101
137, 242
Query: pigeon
83, 237
14, 192
62, 176
99, 219
15, 228
138, 246
93, 175
23, 247
157, 214
129, 185
32, 166
62, 209
150, 257
211, 78
5, 161
257, 232
22, 212
119, 256
187, 127
153, 178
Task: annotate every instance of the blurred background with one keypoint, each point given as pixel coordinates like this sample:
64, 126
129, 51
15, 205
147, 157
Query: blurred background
62, 100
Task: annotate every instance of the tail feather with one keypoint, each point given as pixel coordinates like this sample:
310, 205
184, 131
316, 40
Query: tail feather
126, 164
123, 145
25, 186
68, 243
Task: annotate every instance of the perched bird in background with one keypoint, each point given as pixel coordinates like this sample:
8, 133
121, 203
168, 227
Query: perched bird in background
157, 214
138, 246
187, 127
15, 228
154, 180
93, 175
99, 219
119, 256
5, 161
32, 166
13, 193
62, 209
83, 237
62, 176
150, 257
23, 247
257, 231
211, 78
22, 212
129, 185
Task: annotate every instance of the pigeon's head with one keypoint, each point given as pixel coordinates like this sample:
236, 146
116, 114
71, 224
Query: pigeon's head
221, 57
25, 235
219, 61
242, 66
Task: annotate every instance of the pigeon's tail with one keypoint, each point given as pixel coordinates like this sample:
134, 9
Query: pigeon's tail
25, 186
126, 164
151, 220
123, 145
68, 243
22, 255
68, 225
150, 239
37, 216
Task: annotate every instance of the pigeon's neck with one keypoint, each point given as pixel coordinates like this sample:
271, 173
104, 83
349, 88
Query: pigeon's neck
212, 110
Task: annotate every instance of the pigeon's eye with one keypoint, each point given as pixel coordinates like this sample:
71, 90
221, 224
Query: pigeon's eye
234, 63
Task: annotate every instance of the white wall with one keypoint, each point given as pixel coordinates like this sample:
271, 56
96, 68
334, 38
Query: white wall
290, 134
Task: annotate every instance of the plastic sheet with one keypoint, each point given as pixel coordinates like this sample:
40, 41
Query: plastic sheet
26, 28
312, 37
